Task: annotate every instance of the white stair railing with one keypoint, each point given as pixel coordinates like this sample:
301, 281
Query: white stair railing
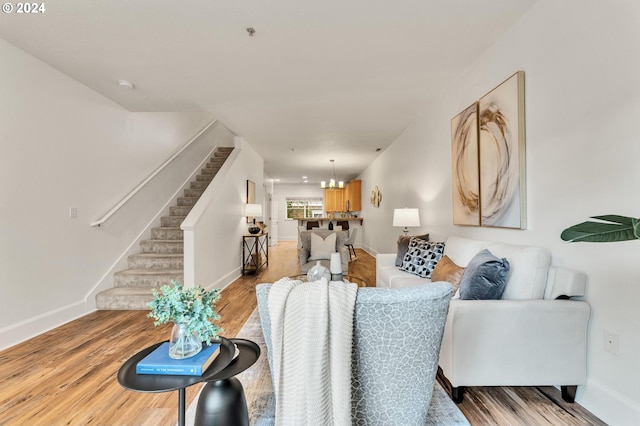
141, 185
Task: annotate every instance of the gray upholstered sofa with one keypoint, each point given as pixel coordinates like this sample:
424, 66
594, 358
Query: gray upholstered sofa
535, 335
305, 250
396, 341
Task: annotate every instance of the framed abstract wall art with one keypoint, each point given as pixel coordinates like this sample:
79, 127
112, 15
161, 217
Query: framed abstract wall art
488, 159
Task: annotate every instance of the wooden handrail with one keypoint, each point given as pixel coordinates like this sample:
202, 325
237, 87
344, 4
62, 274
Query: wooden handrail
151, 176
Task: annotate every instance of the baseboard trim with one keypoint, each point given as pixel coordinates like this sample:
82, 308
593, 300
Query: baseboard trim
34, 326
609, 405
369, 250
226, 280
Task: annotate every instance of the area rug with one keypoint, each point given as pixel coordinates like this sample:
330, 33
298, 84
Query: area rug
261, 401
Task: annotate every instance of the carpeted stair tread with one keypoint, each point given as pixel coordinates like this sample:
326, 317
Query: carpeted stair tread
205, 178
198, 185
124, 298
191, 192
171, 221
156, 261
180, 210
148, 278
167, 233
162, 246
187, 201
159, 255
149, 272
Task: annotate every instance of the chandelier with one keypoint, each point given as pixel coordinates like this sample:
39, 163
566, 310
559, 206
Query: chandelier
332, 181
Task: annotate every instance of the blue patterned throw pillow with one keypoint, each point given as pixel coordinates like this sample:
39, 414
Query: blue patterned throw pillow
422, 256
403, 246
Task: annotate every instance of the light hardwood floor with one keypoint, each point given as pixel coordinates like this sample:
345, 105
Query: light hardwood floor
68, 376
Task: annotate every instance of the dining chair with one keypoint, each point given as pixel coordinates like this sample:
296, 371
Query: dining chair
349, 243
344, 224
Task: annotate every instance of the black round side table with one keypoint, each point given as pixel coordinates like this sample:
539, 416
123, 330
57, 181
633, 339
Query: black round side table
222, 401
129, 379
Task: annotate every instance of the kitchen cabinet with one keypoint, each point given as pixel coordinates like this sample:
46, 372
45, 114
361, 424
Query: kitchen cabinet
334, 200
353, 195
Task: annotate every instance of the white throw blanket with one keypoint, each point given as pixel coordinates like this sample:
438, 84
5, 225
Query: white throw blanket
312, 332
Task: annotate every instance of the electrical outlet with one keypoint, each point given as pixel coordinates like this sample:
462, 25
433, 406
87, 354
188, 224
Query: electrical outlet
73, 212
611, 342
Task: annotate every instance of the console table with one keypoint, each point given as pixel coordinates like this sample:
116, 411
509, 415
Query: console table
255, 252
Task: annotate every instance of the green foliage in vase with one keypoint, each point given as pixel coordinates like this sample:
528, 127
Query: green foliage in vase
609, 228
193, 307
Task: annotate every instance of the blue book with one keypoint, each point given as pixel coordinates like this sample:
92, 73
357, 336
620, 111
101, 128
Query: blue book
159, 362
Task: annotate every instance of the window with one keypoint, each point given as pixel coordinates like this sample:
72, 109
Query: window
298, 208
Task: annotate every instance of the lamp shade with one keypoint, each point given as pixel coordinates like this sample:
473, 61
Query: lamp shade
253, 210
406, 217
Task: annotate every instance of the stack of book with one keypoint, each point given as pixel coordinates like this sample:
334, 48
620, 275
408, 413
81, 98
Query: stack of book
159, 362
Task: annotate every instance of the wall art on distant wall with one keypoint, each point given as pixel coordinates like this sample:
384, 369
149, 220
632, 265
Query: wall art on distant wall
488, 159
502, 155
376, 197
464, 166
251, 196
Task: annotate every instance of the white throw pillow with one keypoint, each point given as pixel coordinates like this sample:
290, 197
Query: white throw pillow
322, 248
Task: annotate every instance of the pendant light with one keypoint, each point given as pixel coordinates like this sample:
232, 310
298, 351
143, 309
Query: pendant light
332, 181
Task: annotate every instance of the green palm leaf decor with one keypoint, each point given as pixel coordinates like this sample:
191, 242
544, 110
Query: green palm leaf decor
609, 228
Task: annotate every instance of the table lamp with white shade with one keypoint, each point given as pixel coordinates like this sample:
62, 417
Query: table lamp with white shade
251, 211
407, 218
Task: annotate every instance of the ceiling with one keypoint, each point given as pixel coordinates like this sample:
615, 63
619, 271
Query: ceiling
319, 80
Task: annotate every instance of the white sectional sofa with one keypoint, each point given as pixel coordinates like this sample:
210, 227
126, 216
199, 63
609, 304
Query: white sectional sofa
535, 335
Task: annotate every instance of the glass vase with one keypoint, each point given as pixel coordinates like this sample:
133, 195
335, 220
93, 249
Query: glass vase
182, 344
318, 271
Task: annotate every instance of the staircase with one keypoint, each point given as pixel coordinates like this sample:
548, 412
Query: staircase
161, 258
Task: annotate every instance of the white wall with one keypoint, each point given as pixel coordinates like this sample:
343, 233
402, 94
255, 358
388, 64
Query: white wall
64, 145
214, 229
288, 228
582, 109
